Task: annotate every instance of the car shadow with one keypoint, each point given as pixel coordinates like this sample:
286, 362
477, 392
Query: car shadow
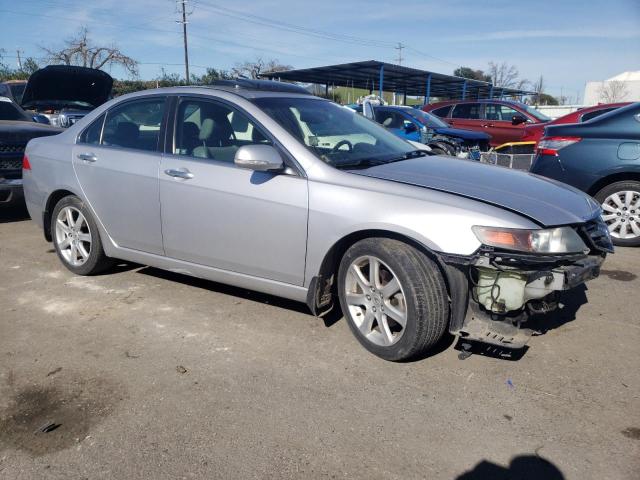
226, 289
523, 467
570, 302
15, 211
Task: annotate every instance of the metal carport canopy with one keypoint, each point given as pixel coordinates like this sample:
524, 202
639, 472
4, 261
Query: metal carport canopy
373, 75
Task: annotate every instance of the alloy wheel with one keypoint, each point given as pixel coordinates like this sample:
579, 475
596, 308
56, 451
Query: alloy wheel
376, 300
622, 214
73, 236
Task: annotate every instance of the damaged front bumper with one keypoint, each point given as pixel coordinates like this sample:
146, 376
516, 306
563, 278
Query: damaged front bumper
494, 294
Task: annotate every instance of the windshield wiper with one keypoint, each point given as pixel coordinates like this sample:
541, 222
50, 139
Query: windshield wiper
372, 162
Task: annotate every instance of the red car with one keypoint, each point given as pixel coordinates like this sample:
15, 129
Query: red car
533, 133
504, 120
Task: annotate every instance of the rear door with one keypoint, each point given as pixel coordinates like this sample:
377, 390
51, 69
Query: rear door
467, 116
116, 161
222, 216
498, 122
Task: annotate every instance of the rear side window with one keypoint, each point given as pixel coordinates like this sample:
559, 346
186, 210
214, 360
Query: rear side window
442, 111
135, 124
467, 110
91, 134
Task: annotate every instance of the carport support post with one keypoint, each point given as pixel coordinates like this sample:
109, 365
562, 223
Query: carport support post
404, 101
427, 94
326, 90
464, 90
491, 92
381, 80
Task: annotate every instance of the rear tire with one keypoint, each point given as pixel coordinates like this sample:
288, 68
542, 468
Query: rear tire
376, 314
76, 238
621, 204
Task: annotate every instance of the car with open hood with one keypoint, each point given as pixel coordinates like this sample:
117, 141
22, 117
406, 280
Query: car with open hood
260, 185
66, 93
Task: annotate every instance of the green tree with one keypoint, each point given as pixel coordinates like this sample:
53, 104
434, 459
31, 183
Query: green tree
466, 72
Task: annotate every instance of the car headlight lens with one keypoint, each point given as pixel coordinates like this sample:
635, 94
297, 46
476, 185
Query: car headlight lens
552, 240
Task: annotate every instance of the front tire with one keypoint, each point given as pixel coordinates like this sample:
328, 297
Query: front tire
621, 204
393, 297
76, 238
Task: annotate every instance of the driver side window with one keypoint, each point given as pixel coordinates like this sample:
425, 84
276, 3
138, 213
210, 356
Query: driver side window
207, 129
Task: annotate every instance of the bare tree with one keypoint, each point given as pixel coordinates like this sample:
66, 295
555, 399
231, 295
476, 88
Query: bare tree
613, 91
79, 50
538, 87
505, 75
253, 69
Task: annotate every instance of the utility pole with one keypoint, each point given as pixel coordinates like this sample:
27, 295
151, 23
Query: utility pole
399, 48
19, 59
184, 35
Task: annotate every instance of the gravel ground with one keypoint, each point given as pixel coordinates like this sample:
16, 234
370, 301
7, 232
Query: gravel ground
143, 374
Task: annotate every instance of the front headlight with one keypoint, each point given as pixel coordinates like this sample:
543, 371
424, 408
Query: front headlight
552, 240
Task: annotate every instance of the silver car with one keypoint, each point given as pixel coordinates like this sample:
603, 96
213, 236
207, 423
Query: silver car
262, 186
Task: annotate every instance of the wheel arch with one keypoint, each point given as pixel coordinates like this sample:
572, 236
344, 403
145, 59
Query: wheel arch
323, 284
50, 204
612, 178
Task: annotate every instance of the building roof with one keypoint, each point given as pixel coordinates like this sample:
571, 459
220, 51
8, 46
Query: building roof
626, 77
395, 78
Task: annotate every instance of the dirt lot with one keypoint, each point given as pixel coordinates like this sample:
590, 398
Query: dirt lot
142, 374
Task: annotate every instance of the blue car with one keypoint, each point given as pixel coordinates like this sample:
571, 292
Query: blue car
418, 126
600, 157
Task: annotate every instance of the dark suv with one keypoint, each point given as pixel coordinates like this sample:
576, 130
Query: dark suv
504, 120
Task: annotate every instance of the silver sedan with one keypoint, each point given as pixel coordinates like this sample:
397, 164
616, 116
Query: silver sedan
263, 186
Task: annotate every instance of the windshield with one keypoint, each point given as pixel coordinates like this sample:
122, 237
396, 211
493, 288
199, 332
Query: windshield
8, 111
17, 90
427, 119
337, 135
539, 115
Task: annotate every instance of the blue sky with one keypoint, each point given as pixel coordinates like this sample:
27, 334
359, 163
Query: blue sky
568, 42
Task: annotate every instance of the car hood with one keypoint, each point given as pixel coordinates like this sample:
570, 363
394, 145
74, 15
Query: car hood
12, 132
464, 134
58, 85
545, 201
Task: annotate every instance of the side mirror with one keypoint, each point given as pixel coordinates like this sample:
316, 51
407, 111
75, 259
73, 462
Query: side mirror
410, 127
41, 119
518, 119
262, 158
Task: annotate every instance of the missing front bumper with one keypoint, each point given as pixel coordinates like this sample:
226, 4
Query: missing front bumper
498, 308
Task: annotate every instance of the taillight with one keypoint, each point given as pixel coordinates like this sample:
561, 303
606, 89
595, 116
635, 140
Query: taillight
25, 163
551, 145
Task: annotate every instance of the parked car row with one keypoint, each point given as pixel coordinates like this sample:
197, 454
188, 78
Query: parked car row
55, 96
264, 186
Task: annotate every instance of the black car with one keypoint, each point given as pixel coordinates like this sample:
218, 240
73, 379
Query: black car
600, 157
16, 129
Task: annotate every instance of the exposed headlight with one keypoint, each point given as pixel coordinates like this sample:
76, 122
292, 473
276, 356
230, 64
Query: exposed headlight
552, 240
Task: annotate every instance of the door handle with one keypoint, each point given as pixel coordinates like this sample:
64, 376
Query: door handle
179, 173
488, 125
88, 157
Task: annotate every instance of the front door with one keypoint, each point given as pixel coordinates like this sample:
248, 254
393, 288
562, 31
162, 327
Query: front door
219, 215
116, 161
499, 121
